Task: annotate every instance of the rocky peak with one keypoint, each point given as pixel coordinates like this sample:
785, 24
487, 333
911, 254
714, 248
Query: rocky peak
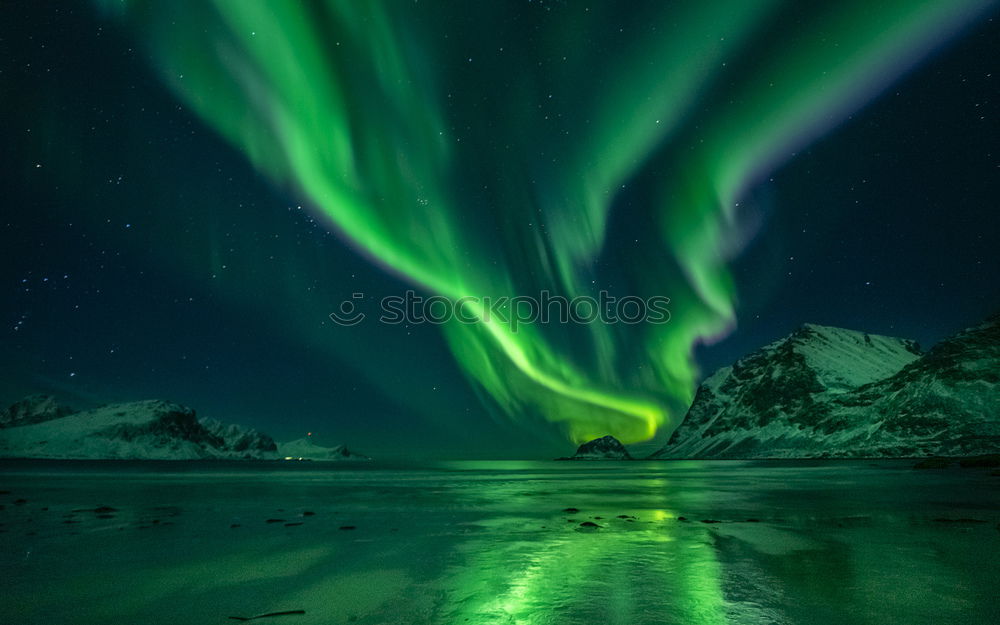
604, 448
825, 391
33, 409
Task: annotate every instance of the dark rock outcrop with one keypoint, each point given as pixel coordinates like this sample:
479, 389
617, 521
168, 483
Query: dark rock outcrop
604, 448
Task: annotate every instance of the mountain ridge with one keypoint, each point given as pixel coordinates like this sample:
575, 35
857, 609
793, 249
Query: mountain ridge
830, 392
156, 429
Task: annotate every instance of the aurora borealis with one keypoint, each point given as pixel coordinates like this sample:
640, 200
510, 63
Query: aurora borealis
196, 194
492, 150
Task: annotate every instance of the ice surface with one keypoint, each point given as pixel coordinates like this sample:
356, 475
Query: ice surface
831, 542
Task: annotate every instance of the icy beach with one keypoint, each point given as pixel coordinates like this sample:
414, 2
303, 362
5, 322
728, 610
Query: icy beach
499, 542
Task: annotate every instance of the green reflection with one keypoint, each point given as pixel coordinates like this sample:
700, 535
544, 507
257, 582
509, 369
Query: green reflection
838, 543
635, 569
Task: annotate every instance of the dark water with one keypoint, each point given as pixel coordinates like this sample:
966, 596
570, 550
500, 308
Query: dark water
489, 542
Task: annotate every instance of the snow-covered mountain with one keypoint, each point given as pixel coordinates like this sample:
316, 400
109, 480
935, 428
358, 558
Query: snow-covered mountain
604, 448
829, 392
946, 403
37, 427
32, 409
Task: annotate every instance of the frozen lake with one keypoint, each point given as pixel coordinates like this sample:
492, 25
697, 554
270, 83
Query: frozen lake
826, 542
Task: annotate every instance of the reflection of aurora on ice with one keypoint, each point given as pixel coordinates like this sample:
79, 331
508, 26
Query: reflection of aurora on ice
787, 550
482, 164
616, 573
834, 542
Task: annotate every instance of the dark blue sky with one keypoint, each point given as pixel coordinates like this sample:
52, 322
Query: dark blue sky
122, 212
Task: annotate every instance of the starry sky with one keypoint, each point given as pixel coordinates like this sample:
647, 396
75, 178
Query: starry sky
191, 188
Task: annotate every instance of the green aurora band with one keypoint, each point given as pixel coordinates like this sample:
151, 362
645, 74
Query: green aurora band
476, 153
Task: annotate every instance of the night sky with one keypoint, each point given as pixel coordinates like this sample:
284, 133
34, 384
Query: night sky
189, 191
